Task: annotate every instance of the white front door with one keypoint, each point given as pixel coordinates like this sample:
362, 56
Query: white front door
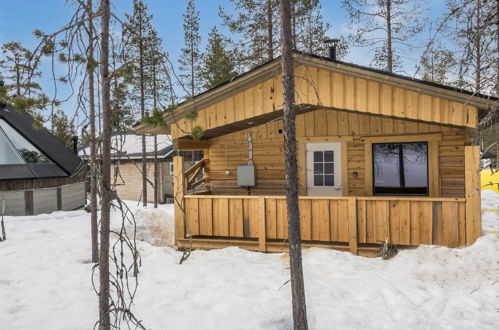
324, 169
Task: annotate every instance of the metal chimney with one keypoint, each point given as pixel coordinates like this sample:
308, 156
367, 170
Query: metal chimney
332, 43
75, 144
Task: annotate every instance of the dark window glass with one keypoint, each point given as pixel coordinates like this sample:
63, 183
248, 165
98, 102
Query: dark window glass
328, 155
318, 156
318, 168
318, 180
400, 168
329, 168
329, 180
324, 168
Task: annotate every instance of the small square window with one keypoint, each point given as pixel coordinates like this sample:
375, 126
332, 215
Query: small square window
318, 156
329, 168
318, 168
329, 180
318, 180
328, 155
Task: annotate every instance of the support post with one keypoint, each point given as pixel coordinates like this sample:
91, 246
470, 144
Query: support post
178, 196
352, 225
262, 230
472, 183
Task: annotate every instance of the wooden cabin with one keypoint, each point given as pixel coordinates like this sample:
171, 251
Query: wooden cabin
380, 156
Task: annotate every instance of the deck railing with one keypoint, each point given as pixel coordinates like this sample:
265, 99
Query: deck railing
352, 220
257, 222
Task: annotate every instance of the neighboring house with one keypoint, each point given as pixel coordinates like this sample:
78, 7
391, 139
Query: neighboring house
126, 156
380, 156
37, 173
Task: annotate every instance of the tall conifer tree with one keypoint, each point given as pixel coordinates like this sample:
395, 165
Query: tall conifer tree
142, 50
219, 62
385, 26
191, 57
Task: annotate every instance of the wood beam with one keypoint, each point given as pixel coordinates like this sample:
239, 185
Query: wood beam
190, 144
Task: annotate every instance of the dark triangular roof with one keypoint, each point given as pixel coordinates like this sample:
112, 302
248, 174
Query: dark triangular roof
44, 141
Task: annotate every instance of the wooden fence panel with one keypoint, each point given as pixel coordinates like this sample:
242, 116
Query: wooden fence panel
353, 220
271, 218
343, 212
361, 221
205, 217
254, 217
236, 218
450, 224
192, 216
400, 218
281, 219
306, 219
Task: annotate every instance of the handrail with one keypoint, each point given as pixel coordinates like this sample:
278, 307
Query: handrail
370, 198
194, 167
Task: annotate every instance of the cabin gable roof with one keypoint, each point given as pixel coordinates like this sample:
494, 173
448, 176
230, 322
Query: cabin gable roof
256, 97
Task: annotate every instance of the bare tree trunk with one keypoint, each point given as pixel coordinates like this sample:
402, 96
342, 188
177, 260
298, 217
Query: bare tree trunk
142, 114
270, 31
93, 149
155, 105
478, 41
295, 256
104, 317
389, 50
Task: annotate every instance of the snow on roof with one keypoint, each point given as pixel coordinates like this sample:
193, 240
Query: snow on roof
130, 146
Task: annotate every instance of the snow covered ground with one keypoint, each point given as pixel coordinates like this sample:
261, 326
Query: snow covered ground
45, 281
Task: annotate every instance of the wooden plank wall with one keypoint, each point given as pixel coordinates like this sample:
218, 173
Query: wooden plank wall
326, 88
332, 89
353, 220
226, 152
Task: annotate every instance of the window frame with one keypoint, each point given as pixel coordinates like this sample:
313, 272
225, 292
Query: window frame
373, 175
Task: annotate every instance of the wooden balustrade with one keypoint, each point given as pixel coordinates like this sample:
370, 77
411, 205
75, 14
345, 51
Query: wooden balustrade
257, 222
353, 220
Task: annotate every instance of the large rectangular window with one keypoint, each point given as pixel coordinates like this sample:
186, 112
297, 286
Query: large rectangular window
400, 168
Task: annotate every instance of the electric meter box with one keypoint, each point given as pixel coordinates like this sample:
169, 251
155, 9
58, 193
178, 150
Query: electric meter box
246, 175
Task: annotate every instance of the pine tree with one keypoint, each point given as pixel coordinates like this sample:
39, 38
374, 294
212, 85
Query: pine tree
257, 31
476, 43
291, 169
18, 73
255, 28
219, 62
309, 28
385, 26
143, 43
191, 57
437, 64
63, 129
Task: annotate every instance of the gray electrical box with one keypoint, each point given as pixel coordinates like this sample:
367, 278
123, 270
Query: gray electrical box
246, 175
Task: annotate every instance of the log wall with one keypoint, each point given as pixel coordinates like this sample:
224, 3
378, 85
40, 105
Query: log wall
353, 130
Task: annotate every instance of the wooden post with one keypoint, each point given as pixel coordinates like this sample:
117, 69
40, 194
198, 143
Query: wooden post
178, 196
262, 229
352, 225
472, 182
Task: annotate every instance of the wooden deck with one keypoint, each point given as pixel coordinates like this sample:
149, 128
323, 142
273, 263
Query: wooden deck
352, 223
